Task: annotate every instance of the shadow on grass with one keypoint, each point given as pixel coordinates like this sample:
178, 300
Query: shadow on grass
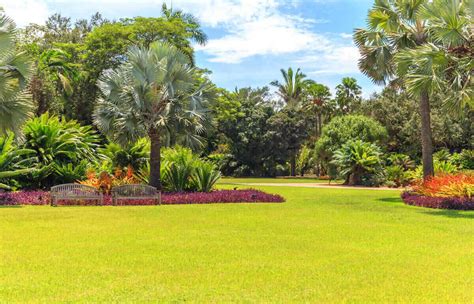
451, 213
10, 206
390, 200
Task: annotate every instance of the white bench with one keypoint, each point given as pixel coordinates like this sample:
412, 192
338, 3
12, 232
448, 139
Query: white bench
75, 192
135, 192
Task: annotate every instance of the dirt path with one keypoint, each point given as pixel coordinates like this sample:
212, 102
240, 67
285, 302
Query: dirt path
311, 185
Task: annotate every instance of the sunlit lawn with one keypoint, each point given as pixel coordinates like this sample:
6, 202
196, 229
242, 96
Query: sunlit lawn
322, 245
253, 180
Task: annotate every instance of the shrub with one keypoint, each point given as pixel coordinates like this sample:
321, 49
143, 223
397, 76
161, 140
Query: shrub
105, 181
358, 161
135, 155
458, 185
342, 129
458, 203
401, 160
396, 176
205, 176
220, 196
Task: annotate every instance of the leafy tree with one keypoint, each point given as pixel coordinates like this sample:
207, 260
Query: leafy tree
288, 131
348, 95
305, 160
342, 129
14, 161
356, 159
134, 155
251, 150
140, 97
291, 91
15, 71
414, 44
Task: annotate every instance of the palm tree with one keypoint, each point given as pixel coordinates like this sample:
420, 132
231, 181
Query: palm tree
407, 43
15, 71
317, 101
347, 94
141, 97
291, 91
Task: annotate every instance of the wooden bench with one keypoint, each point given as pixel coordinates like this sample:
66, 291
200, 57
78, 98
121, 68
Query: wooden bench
75, 192
135, 192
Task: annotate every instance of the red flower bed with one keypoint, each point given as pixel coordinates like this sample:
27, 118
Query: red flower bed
457, 203
219, 196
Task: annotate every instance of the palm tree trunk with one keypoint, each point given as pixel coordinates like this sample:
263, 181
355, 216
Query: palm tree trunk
426, 136
155, 159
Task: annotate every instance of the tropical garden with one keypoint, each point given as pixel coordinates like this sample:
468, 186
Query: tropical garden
106, 103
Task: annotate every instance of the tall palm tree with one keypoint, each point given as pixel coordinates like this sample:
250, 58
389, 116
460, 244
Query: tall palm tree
405, 43
317, 101
15, 71
292, 88
348, 93
155, 87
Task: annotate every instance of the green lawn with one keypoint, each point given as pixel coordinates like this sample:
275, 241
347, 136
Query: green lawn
322, 245
253, 180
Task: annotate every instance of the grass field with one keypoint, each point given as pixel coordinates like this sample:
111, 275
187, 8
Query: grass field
322, 245
253, 180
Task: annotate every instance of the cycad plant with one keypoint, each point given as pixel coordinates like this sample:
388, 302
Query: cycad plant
424, 46
356, 159
15, 72
155, 88
14, 161
134, 155
205, 176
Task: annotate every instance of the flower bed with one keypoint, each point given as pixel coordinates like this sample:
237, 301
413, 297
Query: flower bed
218, 196
457, 203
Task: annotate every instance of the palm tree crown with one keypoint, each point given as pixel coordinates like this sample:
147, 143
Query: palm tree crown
292, 88
15, 71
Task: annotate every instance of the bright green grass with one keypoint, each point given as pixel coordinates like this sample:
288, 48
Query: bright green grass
253, 180
322, 245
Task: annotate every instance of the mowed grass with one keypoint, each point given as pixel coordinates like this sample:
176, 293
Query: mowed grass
281, 180
322, 245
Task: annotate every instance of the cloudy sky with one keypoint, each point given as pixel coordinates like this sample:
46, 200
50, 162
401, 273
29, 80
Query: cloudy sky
249, 40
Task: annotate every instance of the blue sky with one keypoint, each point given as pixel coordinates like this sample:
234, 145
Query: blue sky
249, 40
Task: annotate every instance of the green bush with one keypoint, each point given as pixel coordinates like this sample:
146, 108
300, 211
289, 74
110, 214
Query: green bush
358, 162
57, 144
342, 129
396, 176
205, 176
134, 155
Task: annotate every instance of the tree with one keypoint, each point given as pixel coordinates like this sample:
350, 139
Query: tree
291, 91
288, 131
141, 96
342, 129
318, 101
15, 72
408, 42
348, 95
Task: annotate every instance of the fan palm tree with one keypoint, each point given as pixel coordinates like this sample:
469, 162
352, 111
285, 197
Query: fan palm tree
157, 86
291, 91
406, 43
348, 93
15, 71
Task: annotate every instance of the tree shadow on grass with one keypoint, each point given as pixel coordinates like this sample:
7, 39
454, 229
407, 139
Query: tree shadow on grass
451, 213
391, 200
10, 206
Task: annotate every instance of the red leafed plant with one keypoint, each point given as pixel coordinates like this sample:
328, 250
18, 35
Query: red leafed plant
455, 185
105, 181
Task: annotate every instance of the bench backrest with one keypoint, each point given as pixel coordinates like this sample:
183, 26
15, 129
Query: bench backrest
134, 190
74, 190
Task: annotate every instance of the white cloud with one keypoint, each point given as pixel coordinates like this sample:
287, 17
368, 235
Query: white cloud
340, 59
24, 12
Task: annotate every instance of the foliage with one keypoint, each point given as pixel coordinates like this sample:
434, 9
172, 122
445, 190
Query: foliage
397, 176
59, 145
179, 164
348, 95
456, 203
15, 71
25, 198
205, 176
356, 159
464, 160
131, 106
14, 161
134, 155
304, 160
292, 90
104, 181
349, 127
318, 102
401, 160
446, 185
